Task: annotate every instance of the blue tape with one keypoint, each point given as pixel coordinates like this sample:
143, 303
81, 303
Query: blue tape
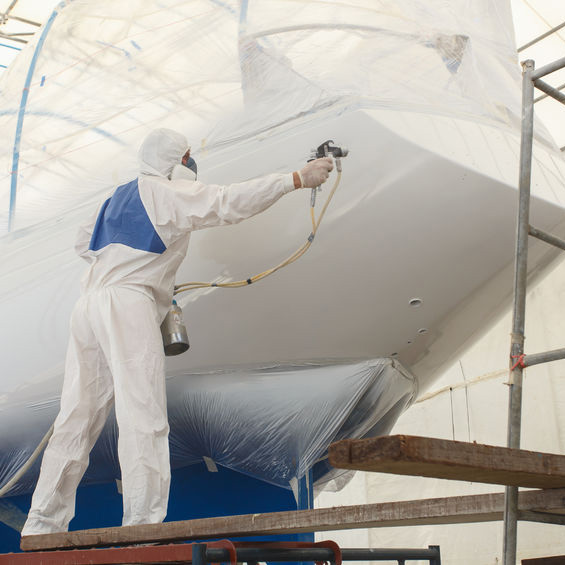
10, 47
21, 114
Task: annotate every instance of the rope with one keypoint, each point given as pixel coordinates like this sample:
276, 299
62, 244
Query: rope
520, 361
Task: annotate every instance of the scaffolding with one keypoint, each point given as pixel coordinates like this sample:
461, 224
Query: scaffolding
508, 466
531, 79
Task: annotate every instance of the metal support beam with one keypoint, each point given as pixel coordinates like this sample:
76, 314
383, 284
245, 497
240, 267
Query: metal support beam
13, 35
199, 554
549, 90
519, 309
11, 38
11, 7
547, 69
25, 21
540, 37
543, 96
544, 357
204, 553
547, 237
322, 554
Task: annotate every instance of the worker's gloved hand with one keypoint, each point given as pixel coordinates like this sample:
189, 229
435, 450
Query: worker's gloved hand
316, 172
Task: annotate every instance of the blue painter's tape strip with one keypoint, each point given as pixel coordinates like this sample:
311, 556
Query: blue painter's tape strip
42, 80
10, 46
21, 114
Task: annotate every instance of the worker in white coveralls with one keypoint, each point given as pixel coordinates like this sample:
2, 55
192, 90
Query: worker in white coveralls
134, 246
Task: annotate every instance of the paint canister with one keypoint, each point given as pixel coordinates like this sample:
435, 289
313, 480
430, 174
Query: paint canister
173, 330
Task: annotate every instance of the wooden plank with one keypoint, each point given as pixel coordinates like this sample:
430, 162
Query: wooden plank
557, 560
458, 509
161, 554
446, 459
541, 517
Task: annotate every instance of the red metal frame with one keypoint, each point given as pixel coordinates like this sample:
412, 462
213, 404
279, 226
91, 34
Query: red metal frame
140, 554
292, 545
169, 553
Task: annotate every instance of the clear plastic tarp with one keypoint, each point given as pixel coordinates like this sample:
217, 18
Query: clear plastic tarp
271, 423
101, 74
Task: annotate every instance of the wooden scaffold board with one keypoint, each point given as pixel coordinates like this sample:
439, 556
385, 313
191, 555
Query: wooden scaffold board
446, 459
458, 509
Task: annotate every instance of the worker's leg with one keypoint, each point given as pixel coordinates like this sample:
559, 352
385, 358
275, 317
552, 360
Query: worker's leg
86, 399
135, 353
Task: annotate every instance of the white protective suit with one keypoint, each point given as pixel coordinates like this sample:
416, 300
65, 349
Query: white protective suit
134, 247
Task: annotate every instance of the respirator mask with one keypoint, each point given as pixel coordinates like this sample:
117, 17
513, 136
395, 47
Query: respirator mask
186, 169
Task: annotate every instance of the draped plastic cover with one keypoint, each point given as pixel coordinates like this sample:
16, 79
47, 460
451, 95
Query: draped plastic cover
272, 423
101, 74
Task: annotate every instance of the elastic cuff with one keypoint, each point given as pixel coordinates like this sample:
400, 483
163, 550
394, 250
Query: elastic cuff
288, 182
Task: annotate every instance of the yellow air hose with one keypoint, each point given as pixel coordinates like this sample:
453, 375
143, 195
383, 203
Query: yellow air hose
291, 259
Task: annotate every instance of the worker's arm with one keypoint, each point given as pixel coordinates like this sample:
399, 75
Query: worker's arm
182, 206
208, 205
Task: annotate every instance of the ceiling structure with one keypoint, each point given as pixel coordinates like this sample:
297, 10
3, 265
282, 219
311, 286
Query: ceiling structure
19, 21
539, 27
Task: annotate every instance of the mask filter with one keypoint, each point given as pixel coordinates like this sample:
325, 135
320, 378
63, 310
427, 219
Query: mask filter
173, 331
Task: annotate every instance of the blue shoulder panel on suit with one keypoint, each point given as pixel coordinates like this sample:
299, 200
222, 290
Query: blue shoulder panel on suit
123, 219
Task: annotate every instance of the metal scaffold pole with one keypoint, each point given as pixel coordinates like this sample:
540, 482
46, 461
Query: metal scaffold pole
519, 310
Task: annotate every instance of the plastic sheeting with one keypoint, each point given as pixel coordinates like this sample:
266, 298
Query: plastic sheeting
274, 424
100, 74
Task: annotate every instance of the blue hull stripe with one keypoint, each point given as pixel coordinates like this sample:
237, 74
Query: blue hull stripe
123, 219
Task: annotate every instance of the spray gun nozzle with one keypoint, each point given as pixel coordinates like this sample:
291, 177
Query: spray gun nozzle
328, 147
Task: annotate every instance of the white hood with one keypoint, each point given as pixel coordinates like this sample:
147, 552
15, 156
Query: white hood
160, 151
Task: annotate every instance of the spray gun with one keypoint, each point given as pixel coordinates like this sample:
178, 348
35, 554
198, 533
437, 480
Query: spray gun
325, 150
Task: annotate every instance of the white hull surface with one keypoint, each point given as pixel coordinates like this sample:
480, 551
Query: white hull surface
406, 222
